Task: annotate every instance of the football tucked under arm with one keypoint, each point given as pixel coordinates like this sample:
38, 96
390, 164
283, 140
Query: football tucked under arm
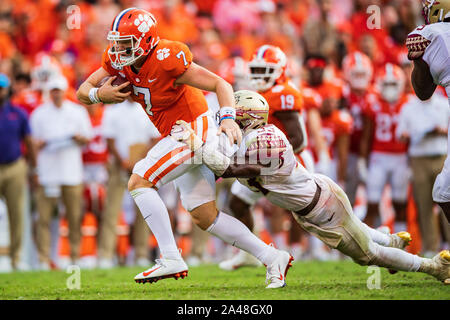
416, 45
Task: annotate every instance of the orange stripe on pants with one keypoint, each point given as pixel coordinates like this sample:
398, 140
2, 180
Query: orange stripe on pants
163, 160
205, 128
171, 167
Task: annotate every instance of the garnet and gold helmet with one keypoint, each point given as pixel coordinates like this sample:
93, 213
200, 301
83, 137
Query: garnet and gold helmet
436, 10
252, 110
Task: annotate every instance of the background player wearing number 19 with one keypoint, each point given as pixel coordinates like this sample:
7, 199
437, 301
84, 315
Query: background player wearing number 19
267, 71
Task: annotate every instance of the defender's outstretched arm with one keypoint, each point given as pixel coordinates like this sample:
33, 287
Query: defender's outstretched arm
422, 80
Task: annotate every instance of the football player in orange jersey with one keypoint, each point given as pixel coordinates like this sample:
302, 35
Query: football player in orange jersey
358, 72
268, 76
387, 155
336, 123
317, 143
167, 84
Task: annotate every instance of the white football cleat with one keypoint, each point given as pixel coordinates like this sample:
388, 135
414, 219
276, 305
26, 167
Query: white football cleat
276, 272
164, 268
241, 259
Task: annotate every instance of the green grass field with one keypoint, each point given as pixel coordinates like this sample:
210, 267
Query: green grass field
305, 280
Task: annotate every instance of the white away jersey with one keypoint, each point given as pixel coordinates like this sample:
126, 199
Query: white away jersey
285, 182
437, 53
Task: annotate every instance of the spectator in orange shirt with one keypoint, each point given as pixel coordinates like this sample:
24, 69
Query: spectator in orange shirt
7, 47
24, 96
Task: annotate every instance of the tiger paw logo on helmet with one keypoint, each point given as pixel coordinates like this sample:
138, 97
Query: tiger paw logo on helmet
142, 22
161, 54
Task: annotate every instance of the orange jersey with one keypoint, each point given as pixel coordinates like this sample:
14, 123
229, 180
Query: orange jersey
384, 117
338, 123
311, 99
27, 99
96, 150
357, 106
154, 88
282, 97
330, 89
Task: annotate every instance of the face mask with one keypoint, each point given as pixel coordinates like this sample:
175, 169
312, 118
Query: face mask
390, 93
359, 83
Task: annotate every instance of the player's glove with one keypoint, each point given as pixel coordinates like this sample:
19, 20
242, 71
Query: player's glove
416, 45
212, 157
182, 132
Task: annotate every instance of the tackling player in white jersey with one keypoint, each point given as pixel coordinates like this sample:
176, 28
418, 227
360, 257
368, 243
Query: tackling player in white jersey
429, 47
265, 162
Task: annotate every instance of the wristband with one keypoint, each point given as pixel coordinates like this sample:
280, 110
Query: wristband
227, 113
93, 95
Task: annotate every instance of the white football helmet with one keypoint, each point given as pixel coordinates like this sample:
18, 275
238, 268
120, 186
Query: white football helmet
358, 70
391, 82
266, 67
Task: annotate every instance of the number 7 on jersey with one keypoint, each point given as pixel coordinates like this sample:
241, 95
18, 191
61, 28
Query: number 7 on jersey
146, 92
181, 53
